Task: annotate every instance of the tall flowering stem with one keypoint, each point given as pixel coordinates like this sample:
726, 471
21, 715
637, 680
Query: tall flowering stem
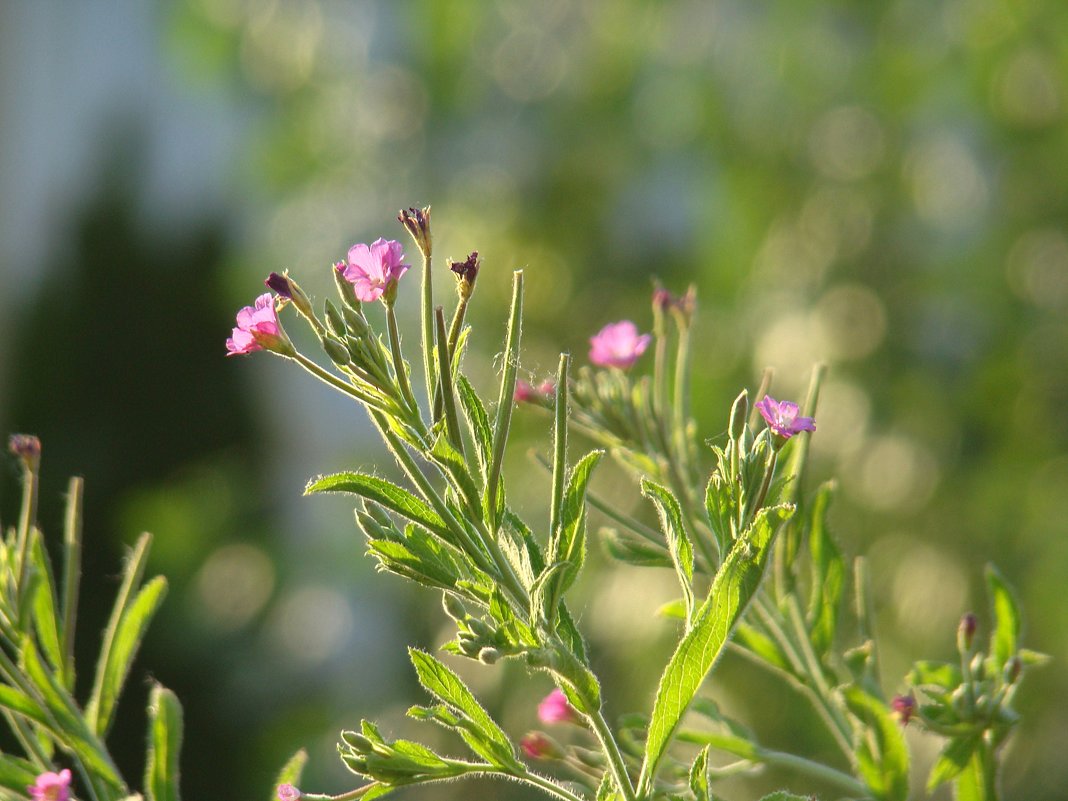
505, 399
417, 222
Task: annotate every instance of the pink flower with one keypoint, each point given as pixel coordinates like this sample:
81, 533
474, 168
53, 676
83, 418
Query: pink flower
539, 746
904, 707
51, 787
554, 708
618, 345
287, 792
374, 270
524, 392
547, 388
258, 329
782, 417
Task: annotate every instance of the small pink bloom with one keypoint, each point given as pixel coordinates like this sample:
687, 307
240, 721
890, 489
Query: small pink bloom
618, 345
904, 707
782, 417
287, 792
374, 269
258, 329
524, 392
539, 746
554, 708
51, 787
547, 388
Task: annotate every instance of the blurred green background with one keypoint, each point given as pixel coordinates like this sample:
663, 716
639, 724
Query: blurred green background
877, 185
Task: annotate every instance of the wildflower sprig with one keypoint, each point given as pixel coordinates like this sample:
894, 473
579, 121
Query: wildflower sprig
62, 738
727, 514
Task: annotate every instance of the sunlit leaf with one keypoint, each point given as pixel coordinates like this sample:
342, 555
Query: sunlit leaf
164, 745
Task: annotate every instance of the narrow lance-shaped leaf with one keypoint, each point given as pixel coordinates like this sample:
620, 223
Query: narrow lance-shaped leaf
568, 541
882, 758
484, 736
559, 443
121, 649
953, 760
44, 605
736, 581
72, 571
699, 775
164, 745
828, 575
1005, 637
477, 421
385, 493
679, 546
507, 392
16, 775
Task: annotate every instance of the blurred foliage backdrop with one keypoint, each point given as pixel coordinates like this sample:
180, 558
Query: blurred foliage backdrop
878, 185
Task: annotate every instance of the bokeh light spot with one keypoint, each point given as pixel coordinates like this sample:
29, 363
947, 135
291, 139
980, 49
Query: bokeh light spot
233, 585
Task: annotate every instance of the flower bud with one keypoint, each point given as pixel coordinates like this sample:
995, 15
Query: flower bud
1012, 670
358, 742
337, 352
554, 708
344, 288
739, 414
357, 325
538, 745
417, 221
489, 656
287, 288
287, 792
904, 707
966, 632
28, 448
453, 607
335, 323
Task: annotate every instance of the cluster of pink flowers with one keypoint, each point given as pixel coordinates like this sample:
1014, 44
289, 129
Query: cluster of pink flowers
51, 787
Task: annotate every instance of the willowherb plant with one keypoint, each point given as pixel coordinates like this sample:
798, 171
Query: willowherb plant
728, 515
757, 568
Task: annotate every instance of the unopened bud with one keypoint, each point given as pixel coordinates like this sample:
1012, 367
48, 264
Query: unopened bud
359, 742
904, 707
357, 325
335, 323
538, 745
345, 289
287, 792
1012, 670
287, 288
489, 656
966, 632
417, 221
28, 448
337, 352
453, 607
739, 414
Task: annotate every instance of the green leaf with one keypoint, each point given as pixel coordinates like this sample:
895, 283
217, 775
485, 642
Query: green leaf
882, 757
21, 704
16, 775
699, 775
477, 421
384, 493
667, 506
606, 790
65, 720
953, 759
736, 581
506, 396
931, 676
762, 646
568, 543
673, 609
44, 607
483, 736
1005, 638
119, 651
164, 745
423, 558
828, 575
292, 770
782, 795
633, 551
456, 471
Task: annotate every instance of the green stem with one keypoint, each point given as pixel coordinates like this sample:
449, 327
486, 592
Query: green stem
428, 325
452, 422
399, 368
72, 570
559, 444
815, 770
616, 763
546, 784
682, 401
27, 520
331, 380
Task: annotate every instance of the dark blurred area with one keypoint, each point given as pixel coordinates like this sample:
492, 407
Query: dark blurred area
879, 186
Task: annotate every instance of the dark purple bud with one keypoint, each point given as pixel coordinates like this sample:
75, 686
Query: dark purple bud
417, 221
280, 285
966, 631
1012, 670
25, 446
904, 706
662, 299
466, 270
